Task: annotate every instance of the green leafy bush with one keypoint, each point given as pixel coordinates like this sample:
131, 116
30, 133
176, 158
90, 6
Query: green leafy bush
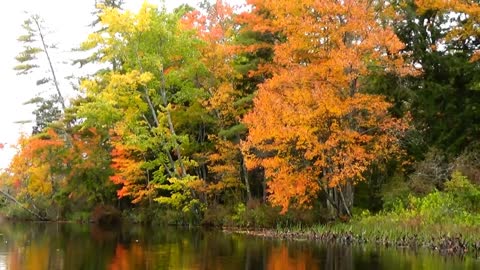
464, 191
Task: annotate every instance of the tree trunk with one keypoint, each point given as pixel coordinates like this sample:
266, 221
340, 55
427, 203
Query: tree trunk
163, 93
21, 205
339, 200
244, 174
332, 201
54, 77
345, 206
264, 191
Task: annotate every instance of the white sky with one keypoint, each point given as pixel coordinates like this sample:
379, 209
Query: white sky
67, 20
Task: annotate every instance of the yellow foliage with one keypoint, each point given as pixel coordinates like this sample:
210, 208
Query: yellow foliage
40, 183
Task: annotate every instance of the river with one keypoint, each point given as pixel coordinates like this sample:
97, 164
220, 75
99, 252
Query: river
83, 246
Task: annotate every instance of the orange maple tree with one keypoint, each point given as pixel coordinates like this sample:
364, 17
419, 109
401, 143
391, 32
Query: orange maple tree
312, 129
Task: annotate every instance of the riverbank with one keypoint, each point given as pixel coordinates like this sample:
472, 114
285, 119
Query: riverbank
446, 243
403, 228
445, 221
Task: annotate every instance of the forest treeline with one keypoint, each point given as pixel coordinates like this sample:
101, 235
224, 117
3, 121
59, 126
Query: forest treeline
291, 111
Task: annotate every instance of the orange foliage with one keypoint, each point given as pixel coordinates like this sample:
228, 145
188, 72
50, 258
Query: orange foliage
213, 26
224, 166
128, 172
48, 161
311, 128
216, 28
131, 257
32, 168
282, 258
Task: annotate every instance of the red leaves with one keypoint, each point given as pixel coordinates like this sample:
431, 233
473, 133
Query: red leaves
214, 26
128, 171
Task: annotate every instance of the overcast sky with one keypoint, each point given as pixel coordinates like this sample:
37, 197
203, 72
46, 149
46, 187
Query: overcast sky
67, 20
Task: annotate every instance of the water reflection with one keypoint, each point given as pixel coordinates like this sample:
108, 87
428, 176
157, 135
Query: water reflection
74, 246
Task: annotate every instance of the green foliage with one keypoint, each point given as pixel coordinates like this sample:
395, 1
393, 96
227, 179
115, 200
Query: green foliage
253, 215
15, 212
46, 113
464, 192
26, 58
181, 196
395, 194
79, 216
238, 214
443, 99
458, 204
435, 208
233, 132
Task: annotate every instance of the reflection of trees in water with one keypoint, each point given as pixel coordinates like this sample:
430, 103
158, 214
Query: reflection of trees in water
73, 246
339, 257
299, 256
281, 257
51, 246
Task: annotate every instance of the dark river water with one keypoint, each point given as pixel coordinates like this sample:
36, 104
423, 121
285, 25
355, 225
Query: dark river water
73, 246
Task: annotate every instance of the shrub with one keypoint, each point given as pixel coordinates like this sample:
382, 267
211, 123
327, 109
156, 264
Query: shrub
14, 211
438, 207
216, 215
106, 215
395, 194
80, 216
463, 191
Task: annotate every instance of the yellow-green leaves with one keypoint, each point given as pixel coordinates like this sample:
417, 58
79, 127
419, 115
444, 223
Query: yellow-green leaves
152, 64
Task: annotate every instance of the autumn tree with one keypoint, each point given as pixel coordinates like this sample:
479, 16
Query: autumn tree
87, 171
54, 177
63, 166
139, 99
215, 25
34, 171
232, 57
312, 128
